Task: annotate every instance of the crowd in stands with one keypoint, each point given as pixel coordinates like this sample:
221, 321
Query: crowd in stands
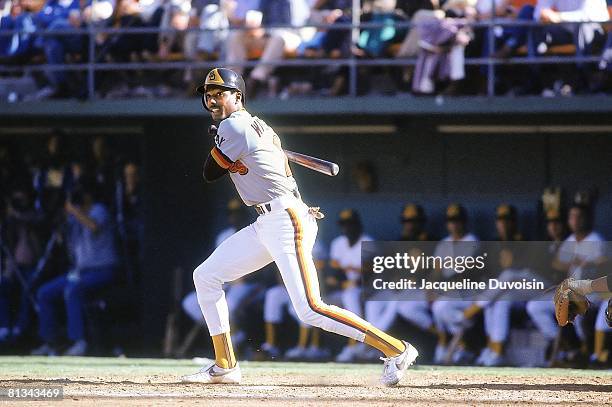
71, 226
251, 35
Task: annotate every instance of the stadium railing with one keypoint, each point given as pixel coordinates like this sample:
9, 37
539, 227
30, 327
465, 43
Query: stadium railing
529, 56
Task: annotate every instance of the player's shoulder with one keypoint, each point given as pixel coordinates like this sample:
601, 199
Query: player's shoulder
236, 124
339, 241
594, 237
470, 237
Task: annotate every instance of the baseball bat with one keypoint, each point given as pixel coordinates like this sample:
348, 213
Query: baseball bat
314, 163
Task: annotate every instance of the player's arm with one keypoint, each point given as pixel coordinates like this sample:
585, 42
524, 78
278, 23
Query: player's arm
212, 170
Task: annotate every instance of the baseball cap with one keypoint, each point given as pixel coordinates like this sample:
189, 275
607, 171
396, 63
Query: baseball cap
505, 212
412, 212
348, 216
233, 205
455, 211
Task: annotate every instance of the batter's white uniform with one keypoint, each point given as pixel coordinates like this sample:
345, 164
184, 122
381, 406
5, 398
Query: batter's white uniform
284, 233
277, 297
235, 293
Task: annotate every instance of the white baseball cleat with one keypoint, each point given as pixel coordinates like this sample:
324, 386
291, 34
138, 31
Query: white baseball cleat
396, 366
215, 375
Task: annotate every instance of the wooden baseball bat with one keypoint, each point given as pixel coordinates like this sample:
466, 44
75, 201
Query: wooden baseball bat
317, 164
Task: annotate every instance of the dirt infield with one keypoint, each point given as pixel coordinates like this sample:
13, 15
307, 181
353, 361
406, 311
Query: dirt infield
107, 381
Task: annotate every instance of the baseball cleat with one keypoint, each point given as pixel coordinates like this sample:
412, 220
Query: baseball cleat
483, 357
396, 366
347, 355
214, 374
440, 354
297, 352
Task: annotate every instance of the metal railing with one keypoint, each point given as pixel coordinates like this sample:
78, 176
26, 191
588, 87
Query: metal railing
92, 65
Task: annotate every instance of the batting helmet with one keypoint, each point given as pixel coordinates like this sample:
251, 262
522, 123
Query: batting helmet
223, 78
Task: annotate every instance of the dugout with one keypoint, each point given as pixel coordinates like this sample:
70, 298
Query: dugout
477, 151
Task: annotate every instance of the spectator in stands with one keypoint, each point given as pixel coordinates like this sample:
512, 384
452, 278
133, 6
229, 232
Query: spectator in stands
212, 17
325, 43
18, 48
91, 241
590, 13
279, 40
58, 15
442, 48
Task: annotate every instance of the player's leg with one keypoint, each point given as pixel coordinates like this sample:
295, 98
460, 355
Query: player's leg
417, 312
438, 309
497, 327
292, 253
240, 254
275, 301
235, 295
192, 308
600, 353
542, 313
351, 301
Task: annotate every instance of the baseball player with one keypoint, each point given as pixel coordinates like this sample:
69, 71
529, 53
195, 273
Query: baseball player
445, 310
285, 231
238, 290
497, 308
579, 255
345, 257
603, 321
384, 310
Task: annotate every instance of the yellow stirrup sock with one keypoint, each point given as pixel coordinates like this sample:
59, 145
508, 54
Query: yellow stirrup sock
303, 339
224, 352
270, 334
385, 343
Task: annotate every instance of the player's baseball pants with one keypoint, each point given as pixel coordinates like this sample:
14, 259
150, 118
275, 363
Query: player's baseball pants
277, 298
284, 235
234, 295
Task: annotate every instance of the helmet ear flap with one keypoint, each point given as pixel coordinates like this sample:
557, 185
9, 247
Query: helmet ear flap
204, 102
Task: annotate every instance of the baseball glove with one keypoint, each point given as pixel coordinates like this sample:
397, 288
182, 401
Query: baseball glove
609, 313
569, 304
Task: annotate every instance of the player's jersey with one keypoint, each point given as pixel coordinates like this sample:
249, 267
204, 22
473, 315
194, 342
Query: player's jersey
245, 146
346, 256
447, 248
588, 249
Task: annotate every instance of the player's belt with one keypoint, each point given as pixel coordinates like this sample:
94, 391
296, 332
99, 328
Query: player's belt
280, 203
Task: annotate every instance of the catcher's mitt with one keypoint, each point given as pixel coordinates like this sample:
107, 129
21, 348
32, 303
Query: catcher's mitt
609, 313
569, 304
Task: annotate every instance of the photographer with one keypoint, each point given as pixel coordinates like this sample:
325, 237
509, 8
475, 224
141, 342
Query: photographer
91, 242
21, 244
